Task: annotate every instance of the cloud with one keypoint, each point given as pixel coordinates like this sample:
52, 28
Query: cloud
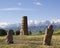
55, 21
15, 9
37, 3
19, 3
31, 22
36, 22
3, 24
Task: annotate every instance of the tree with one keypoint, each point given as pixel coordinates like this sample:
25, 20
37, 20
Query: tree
17, 32
3, 32
29, 33
40, 32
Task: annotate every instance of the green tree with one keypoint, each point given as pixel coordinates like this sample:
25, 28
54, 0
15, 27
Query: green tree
3, 32
17, 32
29, 32
40, 32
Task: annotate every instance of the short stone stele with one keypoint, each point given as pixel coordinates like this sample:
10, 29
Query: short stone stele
9, 37
48, 35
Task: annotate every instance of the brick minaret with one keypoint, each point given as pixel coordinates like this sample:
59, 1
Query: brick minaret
24, 26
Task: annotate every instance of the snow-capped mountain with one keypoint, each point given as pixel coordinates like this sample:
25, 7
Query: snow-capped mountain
15, 26
33, 26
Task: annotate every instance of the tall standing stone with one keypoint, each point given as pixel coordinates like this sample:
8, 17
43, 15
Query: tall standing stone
9, 37
24, 26
48, 35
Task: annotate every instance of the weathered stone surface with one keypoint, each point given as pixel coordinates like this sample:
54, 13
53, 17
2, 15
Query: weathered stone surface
24, 26
9, 37
48, 35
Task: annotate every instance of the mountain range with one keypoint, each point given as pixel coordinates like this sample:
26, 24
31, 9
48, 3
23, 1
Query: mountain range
33, 26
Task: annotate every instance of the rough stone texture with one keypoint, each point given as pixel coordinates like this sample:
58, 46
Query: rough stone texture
9, 37
48, 35
24, 26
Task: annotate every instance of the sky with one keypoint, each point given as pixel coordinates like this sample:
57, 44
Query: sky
11, 11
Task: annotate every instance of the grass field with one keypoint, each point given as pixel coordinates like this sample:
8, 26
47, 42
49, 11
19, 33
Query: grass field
31, 41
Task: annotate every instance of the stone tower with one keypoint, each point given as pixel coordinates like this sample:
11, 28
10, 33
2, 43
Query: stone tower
48, 35
24, 26
9, 37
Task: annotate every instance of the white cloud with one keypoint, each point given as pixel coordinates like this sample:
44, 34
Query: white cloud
55, 21
3, 24
37, 3
30, 22
15, 9
36, 22
19, 3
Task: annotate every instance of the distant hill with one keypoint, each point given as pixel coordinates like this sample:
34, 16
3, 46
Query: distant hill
57, 32
33, 26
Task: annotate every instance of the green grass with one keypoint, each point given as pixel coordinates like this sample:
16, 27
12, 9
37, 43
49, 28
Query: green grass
31, 41
57, 32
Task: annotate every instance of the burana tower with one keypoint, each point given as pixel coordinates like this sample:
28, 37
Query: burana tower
24, 26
